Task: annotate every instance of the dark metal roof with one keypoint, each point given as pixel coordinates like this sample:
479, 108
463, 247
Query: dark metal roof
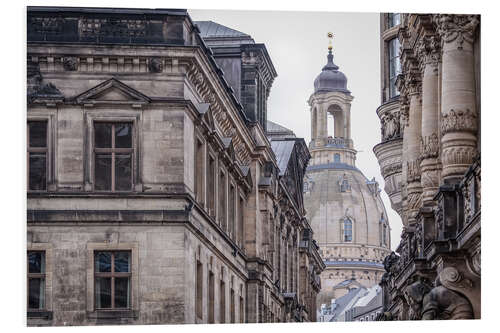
212, 31
342, 302
283, 151
330, 78
276, 131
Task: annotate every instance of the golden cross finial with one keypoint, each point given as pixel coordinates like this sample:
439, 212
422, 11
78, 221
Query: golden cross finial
330, 37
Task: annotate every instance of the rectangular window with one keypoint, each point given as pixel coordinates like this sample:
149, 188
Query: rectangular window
211, 298
199, 289
113, 155
232, 206
233, 314
211, 186
394, 66
242, 311
241, 212
222, 304
222, 201
199, 171
37, 155
112, 276
36, 280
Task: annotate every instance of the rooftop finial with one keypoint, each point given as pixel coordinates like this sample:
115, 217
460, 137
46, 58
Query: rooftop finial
330, 37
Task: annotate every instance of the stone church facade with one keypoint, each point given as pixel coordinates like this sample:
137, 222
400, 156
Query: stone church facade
430, 159
344, 207
155, 195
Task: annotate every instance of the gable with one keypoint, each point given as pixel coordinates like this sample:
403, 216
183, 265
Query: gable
112, 91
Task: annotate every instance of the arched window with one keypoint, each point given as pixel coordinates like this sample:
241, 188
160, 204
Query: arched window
384, 235
347, 230
336, 158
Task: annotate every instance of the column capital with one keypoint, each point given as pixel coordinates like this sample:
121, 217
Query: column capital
428, 50
457, 28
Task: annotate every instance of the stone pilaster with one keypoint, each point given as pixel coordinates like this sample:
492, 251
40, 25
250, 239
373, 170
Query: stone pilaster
458, 107
429, 54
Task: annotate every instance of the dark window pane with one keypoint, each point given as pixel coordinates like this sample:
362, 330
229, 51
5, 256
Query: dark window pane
103, 262
123, 135
123, 172
102, 135
122, 292
38, 133
103, 172
36, 293
102, 293
122, 262
38, 171
36, 261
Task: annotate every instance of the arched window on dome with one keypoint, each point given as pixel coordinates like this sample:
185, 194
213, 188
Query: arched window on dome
347, 230
336, 158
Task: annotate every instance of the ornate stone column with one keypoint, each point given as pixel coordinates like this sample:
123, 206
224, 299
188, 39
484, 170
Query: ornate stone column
412, 135
458, 107
428, 51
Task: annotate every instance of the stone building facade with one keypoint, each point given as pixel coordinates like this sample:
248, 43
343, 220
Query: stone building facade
155, 195
345, 209
430, 159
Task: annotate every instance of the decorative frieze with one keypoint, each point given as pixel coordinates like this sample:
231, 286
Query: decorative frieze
92, 27
458, 121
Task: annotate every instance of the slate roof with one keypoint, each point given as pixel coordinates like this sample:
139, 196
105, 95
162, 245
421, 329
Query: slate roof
283, 151
342, 302
275, 130
210, 30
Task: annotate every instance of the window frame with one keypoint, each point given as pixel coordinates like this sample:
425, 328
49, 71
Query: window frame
134, 279
390, 60
344, 230
46, 312
114, 151
39, 150
93, 116
112, 274
36, 276
48, 117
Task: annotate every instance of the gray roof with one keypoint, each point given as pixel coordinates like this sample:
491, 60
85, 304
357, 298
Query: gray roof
276, 131
210, 30
283, 151
330, 78
342, 302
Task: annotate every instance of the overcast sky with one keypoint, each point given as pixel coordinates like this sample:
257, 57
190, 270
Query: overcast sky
297, 44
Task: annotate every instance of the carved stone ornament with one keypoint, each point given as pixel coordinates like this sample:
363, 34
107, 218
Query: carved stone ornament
459, 121
456, 27
390, 126
459, 155
413, 171
70, 63
155, 65
450, 276
429, 146
429, 51
429, 178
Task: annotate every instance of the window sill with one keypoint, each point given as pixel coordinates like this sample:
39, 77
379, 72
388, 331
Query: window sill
39, 314
113, 314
